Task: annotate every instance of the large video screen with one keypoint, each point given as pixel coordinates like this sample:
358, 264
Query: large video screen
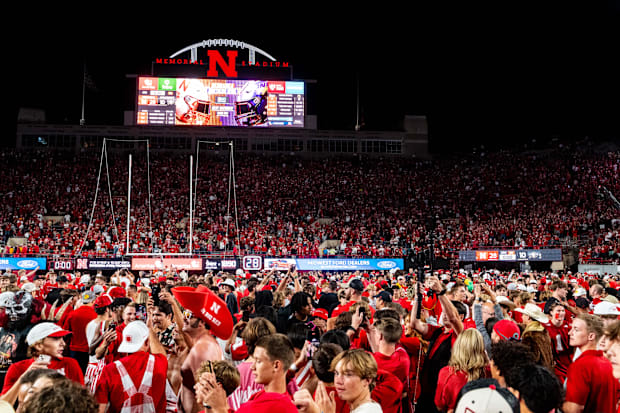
165, 101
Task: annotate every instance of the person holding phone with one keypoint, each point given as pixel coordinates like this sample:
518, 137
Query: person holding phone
46, 345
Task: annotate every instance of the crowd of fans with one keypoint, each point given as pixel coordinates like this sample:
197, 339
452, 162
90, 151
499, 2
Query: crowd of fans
286, 205
384, 341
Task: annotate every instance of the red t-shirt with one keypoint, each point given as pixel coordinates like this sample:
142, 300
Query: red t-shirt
76, 322
110, 388
562, 351
590, 383
346, 307
67, 366
342, 308
397, 364
268, 402
388, 392
449, 385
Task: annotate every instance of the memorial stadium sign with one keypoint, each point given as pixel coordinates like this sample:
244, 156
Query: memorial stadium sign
213, 59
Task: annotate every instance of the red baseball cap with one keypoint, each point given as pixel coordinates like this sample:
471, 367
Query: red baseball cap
507, 330
320, 313
117, 292
102, 301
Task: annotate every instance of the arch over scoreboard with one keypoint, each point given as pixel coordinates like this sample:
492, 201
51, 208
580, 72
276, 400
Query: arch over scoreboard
220, 99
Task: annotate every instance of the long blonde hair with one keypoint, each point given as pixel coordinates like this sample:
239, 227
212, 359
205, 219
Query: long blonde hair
469, 355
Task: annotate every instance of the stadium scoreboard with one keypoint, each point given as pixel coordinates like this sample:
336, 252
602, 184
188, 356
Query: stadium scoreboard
169, 101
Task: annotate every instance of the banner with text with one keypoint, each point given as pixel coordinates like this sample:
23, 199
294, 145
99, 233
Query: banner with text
163, 264
353, 264
552, 254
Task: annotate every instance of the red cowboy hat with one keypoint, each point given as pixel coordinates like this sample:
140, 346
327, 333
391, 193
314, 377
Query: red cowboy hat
207, 306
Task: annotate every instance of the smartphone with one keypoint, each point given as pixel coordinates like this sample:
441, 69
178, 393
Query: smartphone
314, 345
45, 358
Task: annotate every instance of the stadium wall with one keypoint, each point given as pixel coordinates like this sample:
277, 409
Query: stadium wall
303, 142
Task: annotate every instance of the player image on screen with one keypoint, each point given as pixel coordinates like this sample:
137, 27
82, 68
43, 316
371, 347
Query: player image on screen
192, 105
251, 104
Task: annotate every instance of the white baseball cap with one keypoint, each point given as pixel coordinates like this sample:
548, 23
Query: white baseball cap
580, 292
134, 336
43, 330
606, 308
487, 400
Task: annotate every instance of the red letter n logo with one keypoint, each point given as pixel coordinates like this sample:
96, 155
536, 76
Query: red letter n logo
215, 58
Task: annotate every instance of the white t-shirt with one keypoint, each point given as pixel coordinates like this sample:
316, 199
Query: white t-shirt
370, 407
91, 333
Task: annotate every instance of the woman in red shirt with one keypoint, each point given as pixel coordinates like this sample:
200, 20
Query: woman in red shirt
468, 362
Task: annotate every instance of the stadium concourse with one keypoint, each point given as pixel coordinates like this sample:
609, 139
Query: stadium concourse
393, 341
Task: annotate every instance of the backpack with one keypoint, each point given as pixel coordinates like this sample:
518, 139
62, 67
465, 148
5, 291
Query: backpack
137, 401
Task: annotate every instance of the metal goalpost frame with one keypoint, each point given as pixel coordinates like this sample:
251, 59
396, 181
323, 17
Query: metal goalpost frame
193, 188
232, 192
104, 155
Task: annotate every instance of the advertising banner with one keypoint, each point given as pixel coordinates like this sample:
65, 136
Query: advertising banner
108, 264
212, 264
354, 264
156, 264
23, 263
279, 264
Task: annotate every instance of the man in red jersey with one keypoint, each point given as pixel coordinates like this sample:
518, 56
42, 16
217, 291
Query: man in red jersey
590, 384
354, 295
76, 322
146, 355
383, 337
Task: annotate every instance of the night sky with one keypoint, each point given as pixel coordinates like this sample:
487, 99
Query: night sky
480, 75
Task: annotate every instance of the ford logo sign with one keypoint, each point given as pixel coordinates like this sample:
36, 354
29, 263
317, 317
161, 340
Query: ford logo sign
386, 264
27, 263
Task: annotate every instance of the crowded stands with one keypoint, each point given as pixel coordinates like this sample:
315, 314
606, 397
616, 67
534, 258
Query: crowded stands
288, 205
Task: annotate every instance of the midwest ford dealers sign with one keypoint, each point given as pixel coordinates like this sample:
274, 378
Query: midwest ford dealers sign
335, 264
